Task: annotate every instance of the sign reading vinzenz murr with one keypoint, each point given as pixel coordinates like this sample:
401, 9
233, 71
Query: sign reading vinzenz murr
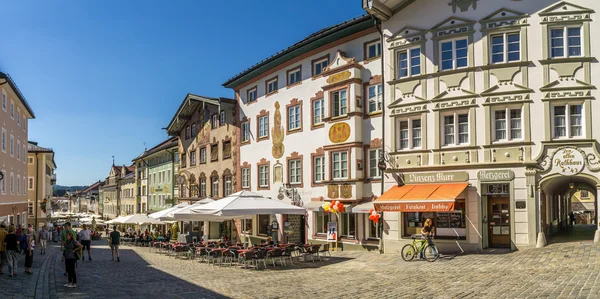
495, 175
435, 177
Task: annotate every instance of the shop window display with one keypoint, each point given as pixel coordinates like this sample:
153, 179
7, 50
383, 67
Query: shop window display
447, 225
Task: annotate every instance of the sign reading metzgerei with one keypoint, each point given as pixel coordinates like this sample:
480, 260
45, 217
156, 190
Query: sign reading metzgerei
495, 175
436, 177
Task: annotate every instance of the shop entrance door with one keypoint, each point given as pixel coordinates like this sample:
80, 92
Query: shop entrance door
499, 223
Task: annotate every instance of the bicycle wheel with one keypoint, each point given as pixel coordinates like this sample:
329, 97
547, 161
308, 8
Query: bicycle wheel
408, 252
431, 253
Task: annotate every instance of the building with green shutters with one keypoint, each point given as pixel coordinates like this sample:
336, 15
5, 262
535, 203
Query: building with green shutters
155, 173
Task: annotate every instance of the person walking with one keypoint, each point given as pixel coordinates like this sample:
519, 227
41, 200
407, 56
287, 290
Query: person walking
19, 233
3, 258
44, 236
63, 237
11, 243
85, 238
114, 240
70, 249
29, 250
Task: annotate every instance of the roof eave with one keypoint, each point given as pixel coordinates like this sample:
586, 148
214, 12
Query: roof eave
14, 87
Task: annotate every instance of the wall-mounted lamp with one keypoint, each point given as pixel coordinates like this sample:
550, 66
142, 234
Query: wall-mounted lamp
571, 185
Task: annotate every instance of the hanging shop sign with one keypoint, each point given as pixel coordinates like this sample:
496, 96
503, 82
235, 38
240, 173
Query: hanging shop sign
339, 132
435, 177
568, 161
495, 175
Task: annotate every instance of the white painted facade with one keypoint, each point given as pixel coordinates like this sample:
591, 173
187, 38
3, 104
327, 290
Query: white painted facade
535, 85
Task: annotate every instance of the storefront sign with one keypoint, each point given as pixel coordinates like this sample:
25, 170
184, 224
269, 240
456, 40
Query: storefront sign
339, 132
332, 231
415, 207
435, 177
338, 77
568, 161
495, 175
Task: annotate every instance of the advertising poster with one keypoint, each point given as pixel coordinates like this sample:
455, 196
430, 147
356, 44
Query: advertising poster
331, 231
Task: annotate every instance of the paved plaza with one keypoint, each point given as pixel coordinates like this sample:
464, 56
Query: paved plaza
563, 270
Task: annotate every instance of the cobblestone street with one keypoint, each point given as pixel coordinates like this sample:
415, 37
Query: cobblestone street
566, 270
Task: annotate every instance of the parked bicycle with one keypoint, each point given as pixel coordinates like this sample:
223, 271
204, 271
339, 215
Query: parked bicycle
420, 244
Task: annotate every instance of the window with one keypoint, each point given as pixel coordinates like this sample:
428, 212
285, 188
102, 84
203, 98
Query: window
454, 54
245, 132
226, 149
183, 159
192, 159
372, 231
215, 187
203, 155
373, 50
223, 119
568, 120
18, 116
584, 194
340, 102
322, 219
168, 176
374, 171
318, 111
263, 126
188, 132
214, 152
202, 187
24, 152
375, 92
3, 140
456, 129
565, 42
294, 117
12, 109
245, 177
30, 184
272, 86
214, 121
3, 99
319, 66
194, 131
319, 169
18, 150
248, 226
409, 63
252, 93
3, 185
12, 145
228, 186
295, 171
12, 184
294, 76
450, 225
506, 47
409, 134
23, 186
348, 225
264, 222
263, 171
18, 184
507, 124
340, 165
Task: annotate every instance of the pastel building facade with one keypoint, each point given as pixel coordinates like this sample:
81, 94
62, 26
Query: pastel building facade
40, 182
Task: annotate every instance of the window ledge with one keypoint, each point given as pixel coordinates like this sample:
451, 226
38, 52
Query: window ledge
317, 126
367, 60
568, 59
454, 71
407, 79
410, 151
315, 77
293, 131
374, 114
262, 138
272, 93
293, 85
502, 144
455, 148
499, 65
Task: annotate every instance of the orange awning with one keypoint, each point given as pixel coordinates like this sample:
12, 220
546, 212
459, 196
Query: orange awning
420, 198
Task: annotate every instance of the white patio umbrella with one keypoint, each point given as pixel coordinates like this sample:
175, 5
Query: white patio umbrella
185, 214
166, 214
116, 220
243, 204
140, 219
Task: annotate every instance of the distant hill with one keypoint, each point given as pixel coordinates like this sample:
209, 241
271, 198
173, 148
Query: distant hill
62, 190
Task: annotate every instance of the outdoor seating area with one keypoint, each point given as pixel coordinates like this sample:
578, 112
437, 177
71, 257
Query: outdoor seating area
228, 254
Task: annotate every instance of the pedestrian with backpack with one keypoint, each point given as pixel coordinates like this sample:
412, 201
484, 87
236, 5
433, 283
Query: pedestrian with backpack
71, 249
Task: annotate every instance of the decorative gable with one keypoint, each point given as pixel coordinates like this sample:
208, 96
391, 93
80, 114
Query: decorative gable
504, 18
340, 60
407, 36
567, 89
452, 26
565, 12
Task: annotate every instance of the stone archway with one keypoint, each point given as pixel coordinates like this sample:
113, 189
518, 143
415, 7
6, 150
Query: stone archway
558, 199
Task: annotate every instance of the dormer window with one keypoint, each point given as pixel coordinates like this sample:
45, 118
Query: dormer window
372, 50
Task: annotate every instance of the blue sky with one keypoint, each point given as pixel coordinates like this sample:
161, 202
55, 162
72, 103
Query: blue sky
103, 77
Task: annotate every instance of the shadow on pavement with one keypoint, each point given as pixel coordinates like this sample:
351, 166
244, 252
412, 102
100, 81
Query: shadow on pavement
577, 233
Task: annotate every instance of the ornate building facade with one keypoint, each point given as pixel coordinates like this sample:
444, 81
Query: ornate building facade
491, 107
310, 119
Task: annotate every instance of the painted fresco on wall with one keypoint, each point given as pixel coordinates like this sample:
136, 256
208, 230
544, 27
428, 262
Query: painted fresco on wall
204, 134
278, 134
339, 132
277, 173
